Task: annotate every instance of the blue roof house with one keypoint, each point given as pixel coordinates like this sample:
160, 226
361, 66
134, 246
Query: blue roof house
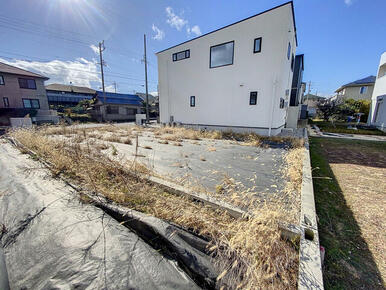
116, 107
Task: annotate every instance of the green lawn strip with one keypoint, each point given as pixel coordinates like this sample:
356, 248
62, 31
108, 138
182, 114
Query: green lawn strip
348, 262
342, 128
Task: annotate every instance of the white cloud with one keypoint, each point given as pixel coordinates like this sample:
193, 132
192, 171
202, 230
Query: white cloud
80, 72
175, 20
159, 33
94, 48
110, 89
348, 2
195, 29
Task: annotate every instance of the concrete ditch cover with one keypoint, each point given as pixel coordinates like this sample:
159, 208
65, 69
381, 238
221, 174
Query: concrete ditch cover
53, 241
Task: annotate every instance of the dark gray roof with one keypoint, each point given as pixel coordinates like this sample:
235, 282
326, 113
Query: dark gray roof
367, 80
9, 69
364, 81
70, 89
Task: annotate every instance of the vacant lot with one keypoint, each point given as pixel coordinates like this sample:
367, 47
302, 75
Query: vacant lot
111, 161
350, 193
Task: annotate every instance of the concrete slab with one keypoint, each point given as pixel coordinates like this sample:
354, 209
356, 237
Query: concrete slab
204, 164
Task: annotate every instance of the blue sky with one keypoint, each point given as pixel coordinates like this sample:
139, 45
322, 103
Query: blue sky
342, 39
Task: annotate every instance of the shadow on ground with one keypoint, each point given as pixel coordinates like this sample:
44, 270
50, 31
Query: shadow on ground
348, 262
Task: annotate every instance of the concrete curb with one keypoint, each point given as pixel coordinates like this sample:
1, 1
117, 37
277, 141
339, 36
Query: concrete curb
310, 265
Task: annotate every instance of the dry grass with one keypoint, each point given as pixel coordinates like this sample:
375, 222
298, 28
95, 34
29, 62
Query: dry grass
249, 254
250, 139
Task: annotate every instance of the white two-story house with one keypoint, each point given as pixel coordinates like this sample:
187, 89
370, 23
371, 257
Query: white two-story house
378, 101
237, 77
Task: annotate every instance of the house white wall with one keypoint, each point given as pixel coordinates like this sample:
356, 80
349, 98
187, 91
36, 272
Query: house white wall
222, 93
378, 102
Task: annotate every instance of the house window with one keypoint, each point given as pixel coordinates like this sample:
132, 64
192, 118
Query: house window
31, 104
112, 110
292, 62
289, 51
181, 55
27, 84
363, 90
192, 101
6, 102
131, 111
1, 80
221, 54
257, 45
253, 98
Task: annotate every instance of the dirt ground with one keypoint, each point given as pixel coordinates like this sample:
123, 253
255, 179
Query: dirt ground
360, 170
362, 177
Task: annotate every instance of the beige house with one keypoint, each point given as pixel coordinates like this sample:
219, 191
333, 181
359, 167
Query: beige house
358, 90
22, 93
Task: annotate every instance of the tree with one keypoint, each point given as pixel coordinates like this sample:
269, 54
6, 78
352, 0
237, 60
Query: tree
327, 109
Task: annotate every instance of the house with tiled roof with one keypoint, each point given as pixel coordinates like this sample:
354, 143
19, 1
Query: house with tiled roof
67, 95
22, 93
116, 107
358, 90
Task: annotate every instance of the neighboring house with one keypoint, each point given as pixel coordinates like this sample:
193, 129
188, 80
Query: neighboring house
237, 77
67, 95
358, 90
153, 103
116, 107
312, 102
22, 92
378, 102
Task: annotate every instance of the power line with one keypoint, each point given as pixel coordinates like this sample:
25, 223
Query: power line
113, 74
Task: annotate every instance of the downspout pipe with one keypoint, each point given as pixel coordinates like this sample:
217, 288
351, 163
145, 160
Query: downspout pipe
272, 107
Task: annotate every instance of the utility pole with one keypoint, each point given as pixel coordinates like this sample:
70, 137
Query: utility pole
309, 89
101, 49
147, 95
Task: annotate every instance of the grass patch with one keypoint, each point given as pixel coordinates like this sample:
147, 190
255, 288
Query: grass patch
348, 263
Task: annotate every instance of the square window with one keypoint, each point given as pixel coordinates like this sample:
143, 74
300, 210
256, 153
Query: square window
27, 103
363, 90
253, 98
35, 104
257, 45
27, 84
192, 101
1, 80
31, 84
221, 54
